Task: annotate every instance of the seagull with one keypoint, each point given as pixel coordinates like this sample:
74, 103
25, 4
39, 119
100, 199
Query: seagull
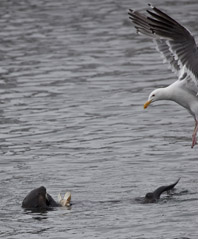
179, 50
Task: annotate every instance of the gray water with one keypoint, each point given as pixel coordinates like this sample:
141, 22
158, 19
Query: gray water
73, 80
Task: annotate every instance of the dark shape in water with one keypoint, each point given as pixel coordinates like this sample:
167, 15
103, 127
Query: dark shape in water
39, 199
152, 197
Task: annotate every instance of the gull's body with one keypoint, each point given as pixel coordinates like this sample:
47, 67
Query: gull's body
179, 49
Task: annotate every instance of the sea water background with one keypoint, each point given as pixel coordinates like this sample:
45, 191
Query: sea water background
73, 79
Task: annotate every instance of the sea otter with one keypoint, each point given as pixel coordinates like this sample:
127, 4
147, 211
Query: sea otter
40, 199
155, 195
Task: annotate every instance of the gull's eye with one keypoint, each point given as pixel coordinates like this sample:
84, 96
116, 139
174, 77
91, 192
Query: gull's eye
153, 95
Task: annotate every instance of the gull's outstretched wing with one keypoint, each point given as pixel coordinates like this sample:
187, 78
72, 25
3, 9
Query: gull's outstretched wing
173, 41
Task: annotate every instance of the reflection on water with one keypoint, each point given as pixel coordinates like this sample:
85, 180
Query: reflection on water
73, 80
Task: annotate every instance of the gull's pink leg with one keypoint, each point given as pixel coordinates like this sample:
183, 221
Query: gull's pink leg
194, 136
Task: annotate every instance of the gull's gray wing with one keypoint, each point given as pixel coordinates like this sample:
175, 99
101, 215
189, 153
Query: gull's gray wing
173, 41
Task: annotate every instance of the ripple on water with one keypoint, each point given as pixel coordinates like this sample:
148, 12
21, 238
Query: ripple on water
73, 80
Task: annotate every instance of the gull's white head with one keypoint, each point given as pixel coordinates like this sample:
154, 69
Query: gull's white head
155, 95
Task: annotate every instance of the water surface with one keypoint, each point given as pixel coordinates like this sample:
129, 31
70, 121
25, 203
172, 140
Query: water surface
73, 79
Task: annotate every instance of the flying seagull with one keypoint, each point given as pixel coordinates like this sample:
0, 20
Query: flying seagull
179, 49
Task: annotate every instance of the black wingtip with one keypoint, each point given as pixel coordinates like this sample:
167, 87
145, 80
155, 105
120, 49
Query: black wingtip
149, 12
130, 11
150, 5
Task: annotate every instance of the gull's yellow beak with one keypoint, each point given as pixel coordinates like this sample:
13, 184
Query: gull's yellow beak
147, 104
